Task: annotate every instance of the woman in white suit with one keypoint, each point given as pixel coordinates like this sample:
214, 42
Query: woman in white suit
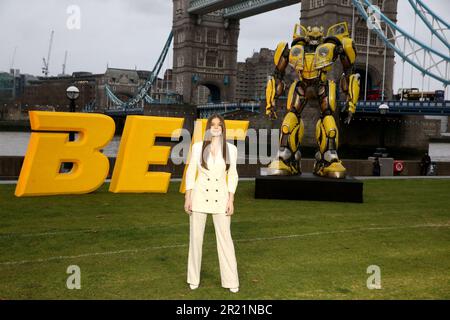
211, 181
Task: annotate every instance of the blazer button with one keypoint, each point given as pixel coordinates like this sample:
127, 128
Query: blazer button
208, 179
216, 200
217, 190
206, 190
217, 179
206, 200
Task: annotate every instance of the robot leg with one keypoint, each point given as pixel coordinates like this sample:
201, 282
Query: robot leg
288, 159
327, 161
289, 155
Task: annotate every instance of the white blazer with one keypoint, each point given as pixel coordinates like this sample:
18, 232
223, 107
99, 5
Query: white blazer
211, 187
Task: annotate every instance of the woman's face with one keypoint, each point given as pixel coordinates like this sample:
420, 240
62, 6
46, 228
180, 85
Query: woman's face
216, 127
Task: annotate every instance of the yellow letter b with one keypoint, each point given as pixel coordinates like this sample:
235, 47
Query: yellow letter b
40, 174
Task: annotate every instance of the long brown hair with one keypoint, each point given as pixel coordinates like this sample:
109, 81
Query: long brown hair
207, 141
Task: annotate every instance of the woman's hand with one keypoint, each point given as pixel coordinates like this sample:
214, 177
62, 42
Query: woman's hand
230, 205
188, 202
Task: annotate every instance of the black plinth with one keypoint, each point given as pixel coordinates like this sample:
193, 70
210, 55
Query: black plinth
308, 186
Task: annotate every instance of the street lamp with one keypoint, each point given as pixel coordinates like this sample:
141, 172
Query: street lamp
383, 109
72, 93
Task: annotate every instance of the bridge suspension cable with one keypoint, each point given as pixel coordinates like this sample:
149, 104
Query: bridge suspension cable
429, 61
438, 26
143, 90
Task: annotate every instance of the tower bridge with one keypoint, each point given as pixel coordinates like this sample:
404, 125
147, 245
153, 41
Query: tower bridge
205, 38
237, 9
206, 34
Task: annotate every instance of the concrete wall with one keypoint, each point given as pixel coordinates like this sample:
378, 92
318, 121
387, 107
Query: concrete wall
401, 131
10, 168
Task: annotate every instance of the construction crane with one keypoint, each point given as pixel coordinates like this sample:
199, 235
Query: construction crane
13, 58
47, 62
64, 64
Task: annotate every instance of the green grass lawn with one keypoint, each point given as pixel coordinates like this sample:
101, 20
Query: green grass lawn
134, 246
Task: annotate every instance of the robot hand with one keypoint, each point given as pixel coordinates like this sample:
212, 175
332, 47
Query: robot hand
350, 110
271, 113
349, 117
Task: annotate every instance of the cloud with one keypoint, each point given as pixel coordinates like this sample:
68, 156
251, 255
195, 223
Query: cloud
267, 30
154, 7
129, 33
121, 33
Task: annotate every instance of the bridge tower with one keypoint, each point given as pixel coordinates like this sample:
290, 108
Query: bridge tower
204, 54
329, 12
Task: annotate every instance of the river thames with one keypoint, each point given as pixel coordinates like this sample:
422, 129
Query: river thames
16, 143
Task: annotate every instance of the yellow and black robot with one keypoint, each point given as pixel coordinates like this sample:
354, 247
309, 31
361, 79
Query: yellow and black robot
312, 55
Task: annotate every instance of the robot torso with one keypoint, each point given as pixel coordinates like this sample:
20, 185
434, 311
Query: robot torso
309, 63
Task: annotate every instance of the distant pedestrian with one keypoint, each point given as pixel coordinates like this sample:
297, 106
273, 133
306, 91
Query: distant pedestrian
376, 171
425, 164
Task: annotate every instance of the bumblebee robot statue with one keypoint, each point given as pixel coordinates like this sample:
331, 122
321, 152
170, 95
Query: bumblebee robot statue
312, 56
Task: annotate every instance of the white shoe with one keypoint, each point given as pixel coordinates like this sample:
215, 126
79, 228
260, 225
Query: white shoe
234, 290
193, 286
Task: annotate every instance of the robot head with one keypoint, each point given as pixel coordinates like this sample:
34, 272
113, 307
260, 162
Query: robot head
314, 35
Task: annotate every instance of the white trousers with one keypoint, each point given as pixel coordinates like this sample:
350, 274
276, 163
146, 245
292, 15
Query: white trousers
225, 249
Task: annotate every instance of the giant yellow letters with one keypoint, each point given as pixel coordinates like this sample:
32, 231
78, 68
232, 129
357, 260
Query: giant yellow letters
137, 151
40, 173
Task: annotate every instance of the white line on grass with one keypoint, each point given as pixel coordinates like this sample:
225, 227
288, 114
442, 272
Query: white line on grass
105, 253
345, 231
54, 233
136, 250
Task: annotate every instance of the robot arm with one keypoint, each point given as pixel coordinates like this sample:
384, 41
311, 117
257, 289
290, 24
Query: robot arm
349, 80
275, 85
